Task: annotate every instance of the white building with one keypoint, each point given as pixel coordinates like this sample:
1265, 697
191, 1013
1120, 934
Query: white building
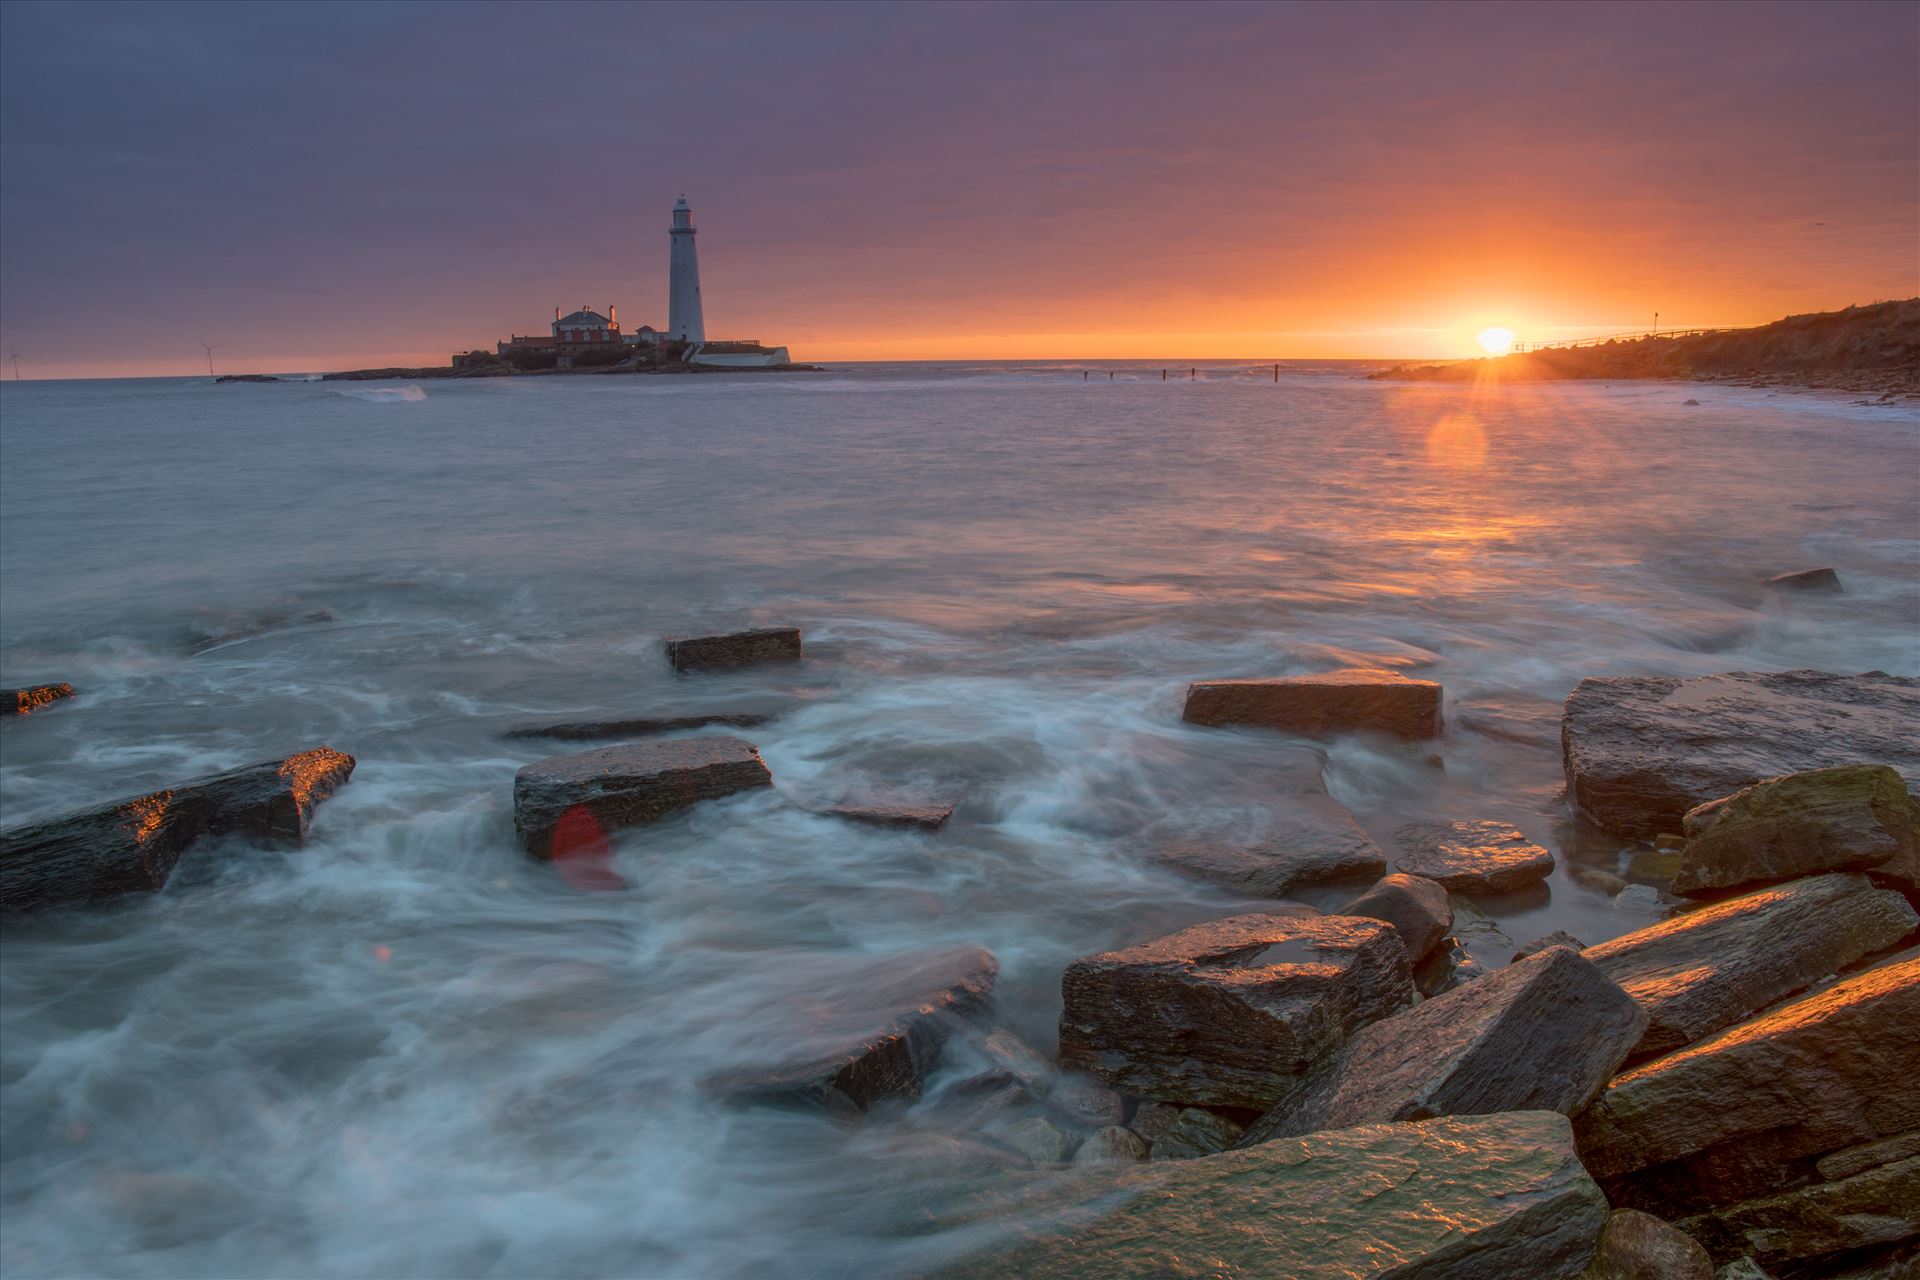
684, 320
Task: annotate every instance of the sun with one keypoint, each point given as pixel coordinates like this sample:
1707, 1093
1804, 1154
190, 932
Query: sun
1496, 342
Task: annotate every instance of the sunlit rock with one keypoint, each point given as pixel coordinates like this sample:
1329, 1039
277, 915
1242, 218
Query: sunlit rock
1543, 1033
1640, 751
1707, 969
1111, 1145
1850, 818
843, 1034
1230, 1012
1639, 1246
626, 786
1348, 701
1750, 1111
1877, 1206
133, 845
1416, 907
1196, 1133
636, 726
736, 649
1472, 857
24, 702
1490, 1197
1822, 580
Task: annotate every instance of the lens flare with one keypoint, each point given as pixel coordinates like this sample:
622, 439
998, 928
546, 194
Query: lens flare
1496, 341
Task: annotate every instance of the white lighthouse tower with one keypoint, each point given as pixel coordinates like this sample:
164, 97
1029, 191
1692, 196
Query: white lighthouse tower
684, 321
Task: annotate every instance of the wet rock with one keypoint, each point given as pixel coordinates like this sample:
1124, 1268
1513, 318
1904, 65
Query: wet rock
1087, 1103
1452, 1199
1640, 751
1658, 865
1822, 580
1313, 841
1227, 1013
927, 817
628, 785
1543, 1033
1111, 1145
1472, 857
737, 649
1748, 1112
1704, 970
1638, 1246
1040, 1140
636, 726
259, 627
1416, 907
133, 845
1151, 1120
1669, 842
1450, 965
1334, 702
24, 702
1879, 1206
1558, 938
850, 1034
1849, 818
1196, 1133
1690, 402
1020, 1060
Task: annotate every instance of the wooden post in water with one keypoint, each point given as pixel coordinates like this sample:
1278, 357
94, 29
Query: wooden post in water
1276, 373
1163, 374
1190, 374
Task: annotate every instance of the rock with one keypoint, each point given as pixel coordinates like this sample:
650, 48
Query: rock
258, 627
636, 727
1348, 701
132, 845
1453, 1199
1151, 1120
1227, 1013
1599, 881
1660, 865
1805, 580
1879, 1206
1416, 907
1040, 1140
927, 817
24, 702
1111, 1145
1741, 1269
1313, 841
738, 649
1087, 1103
628, 785
1558, 938
1543, 1033
1849, 818
1844, 1164
1640, 751
1748, 1112
1196, 1133
1020, 1060
1689, 403
851, 1033
1472, 857
1450, 965
1704, 970
1638, 1246
1669, 842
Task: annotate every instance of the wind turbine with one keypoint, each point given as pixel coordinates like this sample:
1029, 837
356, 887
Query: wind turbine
15, 357
210, 351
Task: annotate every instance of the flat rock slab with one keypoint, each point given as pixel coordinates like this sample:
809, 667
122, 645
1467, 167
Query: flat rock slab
1879, 1206
1640, 751
1334, 702
1455, 1199
737, 649
849, 1033
1750, 1110
1543, 1033
24, 702
1849, 818
926, 817
1472, 857
627, 786
1704, 970
1639, 1246
1416, 907
1229, 1012
132, 845
1819, 580
1312, 841
636, 726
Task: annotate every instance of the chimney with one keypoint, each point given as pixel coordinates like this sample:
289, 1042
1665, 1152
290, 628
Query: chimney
556, 313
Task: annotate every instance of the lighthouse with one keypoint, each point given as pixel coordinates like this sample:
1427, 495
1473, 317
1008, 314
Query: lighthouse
684, 321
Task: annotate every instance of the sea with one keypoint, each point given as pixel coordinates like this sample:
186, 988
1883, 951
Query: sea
407, 1049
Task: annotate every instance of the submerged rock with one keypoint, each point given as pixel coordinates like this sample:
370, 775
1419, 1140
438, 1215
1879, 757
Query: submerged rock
736, 649
1020, 1060
1453, 1199
1638, 1246
1849, 818
1040, 1140
1348, 701
1111, 1145
1227, 1013
1707, 969
1312, 840
133, 845
1825, 580
24, 702
868, 1030
636, 726
1543, 1033
626, 786
927, 817
1196, 1133
1472, 857
1416, 907
1640, 751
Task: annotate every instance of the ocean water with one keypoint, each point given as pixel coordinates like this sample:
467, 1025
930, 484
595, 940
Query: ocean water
406, 1049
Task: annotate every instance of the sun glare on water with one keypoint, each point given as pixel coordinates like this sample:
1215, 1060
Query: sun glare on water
1496, 342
